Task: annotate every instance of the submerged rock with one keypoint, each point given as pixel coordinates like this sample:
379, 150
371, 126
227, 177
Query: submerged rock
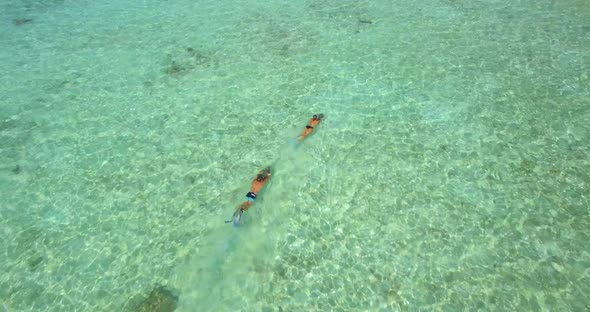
160, 299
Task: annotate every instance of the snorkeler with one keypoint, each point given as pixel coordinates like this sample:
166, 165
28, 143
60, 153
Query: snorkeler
309, 127
261, 178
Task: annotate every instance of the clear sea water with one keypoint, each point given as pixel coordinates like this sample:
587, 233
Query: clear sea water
451, 173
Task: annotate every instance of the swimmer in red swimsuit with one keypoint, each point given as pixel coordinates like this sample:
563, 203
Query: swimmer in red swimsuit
261, 178
314, 121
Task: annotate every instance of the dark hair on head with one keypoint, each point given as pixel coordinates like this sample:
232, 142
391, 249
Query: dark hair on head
260, 178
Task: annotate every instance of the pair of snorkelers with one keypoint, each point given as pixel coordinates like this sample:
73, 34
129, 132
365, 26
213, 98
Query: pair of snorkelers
264, 175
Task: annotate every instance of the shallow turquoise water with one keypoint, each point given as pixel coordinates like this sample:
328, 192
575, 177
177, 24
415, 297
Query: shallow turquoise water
451, 173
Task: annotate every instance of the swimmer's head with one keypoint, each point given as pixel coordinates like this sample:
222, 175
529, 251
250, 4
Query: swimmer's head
263, 174
318, 116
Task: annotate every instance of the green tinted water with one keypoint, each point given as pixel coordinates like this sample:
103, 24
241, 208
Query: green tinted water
451, 172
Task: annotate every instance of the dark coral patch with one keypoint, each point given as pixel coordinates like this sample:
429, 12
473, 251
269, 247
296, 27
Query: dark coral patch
161, 299
22, 21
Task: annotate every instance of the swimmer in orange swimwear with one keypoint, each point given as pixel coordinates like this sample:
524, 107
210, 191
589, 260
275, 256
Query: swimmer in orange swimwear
309, 127
261, 178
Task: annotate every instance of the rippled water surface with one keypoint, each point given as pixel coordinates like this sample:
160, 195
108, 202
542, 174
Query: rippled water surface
451, 172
